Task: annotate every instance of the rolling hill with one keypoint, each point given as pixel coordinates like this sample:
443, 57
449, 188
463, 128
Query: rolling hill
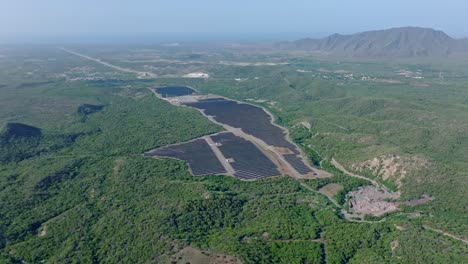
394, 42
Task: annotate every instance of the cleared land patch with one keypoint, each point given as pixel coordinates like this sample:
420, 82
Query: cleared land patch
196, 256
371, 200
330, 190
392, 167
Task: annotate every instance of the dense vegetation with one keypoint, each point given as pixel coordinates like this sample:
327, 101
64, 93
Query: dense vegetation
81, 192
374, 113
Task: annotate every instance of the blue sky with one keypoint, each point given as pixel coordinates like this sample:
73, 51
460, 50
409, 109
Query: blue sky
223, 17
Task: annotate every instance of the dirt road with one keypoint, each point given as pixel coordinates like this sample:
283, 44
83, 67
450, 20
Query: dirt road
227, 166
142, 74
446, 234
341, 168
283, 166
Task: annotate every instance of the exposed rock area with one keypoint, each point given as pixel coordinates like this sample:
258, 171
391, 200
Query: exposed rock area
373, 201
391, 167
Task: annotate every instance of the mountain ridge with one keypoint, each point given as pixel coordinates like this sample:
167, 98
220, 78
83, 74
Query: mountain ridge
393, 42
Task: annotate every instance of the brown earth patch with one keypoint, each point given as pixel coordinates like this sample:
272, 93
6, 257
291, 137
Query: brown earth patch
283, 150
424, 199
330, 190
401, 228
43, 232
196, 256
305, 124
392, 167
312, 175
394, 244
373, 201
322, 176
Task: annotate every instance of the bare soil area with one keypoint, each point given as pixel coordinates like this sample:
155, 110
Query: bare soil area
464, 240
330, 190
424, 199
196, 256
391, 167
372, 200
283, 150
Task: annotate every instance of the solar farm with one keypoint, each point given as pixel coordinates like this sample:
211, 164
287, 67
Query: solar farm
297, 163
197, 153
251, 119
252, 148
246, 159
173, 91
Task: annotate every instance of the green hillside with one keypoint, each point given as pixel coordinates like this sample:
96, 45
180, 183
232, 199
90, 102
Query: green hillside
75, 187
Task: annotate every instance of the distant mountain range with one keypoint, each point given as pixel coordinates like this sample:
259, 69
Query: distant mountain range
394, 42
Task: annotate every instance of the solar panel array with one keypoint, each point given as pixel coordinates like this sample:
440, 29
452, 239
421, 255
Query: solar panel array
173, 91
198, 154
297, 163
248, 161
252, 119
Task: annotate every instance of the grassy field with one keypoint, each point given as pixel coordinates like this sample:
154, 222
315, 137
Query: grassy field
82, 191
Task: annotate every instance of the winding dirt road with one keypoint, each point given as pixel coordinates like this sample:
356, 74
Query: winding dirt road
464, 240
341, 168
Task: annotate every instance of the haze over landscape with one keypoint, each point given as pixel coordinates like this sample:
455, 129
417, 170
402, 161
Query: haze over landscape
233, 132
55, 20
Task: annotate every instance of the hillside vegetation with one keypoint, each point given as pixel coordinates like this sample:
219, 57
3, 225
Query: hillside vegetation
384, 114
81, 190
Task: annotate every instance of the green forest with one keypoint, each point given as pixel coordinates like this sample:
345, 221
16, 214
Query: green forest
75, 187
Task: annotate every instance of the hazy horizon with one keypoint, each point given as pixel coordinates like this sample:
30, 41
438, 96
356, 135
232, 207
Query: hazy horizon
58, 21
